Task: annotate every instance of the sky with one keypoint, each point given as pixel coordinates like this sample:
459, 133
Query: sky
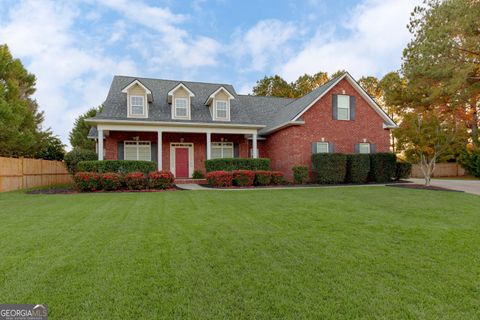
76, 47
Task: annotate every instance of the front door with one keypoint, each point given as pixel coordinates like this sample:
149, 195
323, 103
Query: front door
181, 162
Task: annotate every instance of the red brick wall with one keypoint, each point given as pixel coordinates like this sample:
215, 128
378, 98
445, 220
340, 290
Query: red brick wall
292, 146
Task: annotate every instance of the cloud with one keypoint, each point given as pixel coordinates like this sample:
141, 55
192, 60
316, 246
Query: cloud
376, 34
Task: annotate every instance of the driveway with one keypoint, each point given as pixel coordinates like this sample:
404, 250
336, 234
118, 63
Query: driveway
469, 186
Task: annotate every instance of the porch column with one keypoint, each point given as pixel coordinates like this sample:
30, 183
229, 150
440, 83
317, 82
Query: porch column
159, 151
209, 145
254, 146
100, 144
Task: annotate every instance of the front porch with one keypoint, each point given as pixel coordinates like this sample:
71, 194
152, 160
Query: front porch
180, 151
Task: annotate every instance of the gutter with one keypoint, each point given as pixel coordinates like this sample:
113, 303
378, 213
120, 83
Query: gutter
284, 125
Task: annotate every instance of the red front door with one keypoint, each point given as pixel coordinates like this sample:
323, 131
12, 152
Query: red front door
181, 162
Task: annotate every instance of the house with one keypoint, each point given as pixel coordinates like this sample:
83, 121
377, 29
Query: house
180, 124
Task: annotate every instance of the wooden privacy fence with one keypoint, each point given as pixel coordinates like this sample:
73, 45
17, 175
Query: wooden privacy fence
441, 170
21, 173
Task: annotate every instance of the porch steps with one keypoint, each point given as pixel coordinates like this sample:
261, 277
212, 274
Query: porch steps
190, 181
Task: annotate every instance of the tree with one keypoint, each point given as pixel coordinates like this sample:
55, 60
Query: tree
78, 134
445, 55
52, 147
274, 86
20, 120
307, 83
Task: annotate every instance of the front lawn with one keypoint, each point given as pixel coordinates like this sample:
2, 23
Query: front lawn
354, 252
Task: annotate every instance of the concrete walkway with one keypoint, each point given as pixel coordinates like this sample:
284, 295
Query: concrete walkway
469, 186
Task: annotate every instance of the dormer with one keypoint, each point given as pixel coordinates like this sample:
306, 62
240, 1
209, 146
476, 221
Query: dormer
138, 97
180, 99
219, 104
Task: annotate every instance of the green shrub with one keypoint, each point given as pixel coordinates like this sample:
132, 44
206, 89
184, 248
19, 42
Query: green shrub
382, 166
136, 181
117, 166
403, 170
300, 174
231, 164
88, 181
197, 174
161, 179
111, 181
243, 178
358, 167
263, 177
329, 167
470, 161
277, 177
75, 156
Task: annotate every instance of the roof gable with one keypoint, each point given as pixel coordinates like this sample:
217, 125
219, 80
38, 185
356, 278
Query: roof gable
133, 83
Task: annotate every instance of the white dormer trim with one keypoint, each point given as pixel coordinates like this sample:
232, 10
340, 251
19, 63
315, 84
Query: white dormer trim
212, 96
181, 85
172, 99
136, 82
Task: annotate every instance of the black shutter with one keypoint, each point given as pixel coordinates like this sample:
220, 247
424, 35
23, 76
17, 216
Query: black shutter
314, 147
154, 149
236, 150
334, 107
120, 150
352, 108
357, 148
373, 148
331, 147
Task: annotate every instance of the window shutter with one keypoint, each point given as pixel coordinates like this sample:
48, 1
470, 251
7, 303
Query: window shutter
373, 148
120, 150
154, 152
236, 150
331, 147
314, 147
334, 107
352, 108
357, 148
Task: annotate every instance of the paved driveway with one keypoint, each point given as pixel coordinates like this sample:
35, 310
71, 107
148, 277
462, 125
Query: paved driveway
470, 186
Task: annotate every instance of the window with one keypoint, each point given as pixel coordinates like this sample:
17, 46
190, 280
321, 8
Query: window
322, 147
222, 150
137, 150
181, 108
137, 106
221, 109
343, 107
364, 148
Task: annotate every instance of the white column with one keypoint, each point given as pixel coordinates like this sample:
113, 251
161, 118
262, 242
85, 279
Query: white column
209, 145
100, 144
254, 146
159, 151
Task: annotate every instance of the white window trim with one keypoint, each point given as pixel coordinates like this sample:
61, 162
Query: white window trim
348, 109
191, 162
174, 108
365, 144
131, 97
323, 143
137, 143
145, 106
222, 146
215, 117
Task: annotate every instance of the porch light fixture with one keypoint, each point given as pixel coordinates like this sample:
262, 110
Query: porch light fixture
181, 140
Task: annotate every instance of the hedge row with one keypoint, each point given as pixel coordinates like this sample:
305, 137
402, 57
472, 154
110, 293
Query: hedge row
244, 178
231, 164
76, 156
111, 181
117, 166
332, 168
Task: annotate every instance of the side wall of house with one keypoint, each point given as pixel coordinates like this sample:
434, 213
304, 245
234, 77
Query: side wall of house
293, 145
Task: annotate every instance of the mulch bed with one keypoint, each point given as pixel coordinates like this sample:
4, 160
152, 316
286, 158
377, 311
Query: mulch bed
421, 187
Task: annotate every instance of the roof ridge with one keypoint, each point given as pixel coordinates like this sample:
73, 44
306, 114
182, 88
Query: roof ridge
254, 96
173, 80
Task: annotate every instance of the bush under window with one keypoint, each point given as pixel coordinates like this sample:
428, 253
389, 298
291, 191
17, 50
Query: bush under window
230, 164
117, 166
358, 167
329, 167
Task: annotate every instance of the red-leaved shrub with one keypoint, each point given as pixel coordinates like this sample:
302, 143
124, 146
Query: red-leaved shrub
220, 178
243, 178
111, 181
263, 177
277, 177
88, 181
136, 181
160, 179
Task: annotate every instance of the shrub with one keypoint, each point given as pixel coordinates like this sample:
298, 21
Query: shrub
277, 177
470, 161
75, 156
160, 179
136, 181
329, 167
220, 178
118, 166
243, 178
197, 174
300, 174
403, 170
382, 166
263, 177
358, 167
88, 181
230, 164
111, 181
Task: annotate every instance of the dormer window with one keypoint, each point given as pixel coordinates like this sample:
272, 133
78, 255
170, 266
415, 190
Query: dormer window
222, 111
180, 98
181, 108
137, 105
219, 104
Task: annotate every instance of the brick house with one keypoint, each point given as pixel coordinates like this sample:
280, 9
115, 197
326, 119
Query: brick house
180, 124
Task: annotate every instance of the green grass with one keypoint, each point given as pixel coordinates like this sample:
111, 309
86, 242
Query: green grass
357, 252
